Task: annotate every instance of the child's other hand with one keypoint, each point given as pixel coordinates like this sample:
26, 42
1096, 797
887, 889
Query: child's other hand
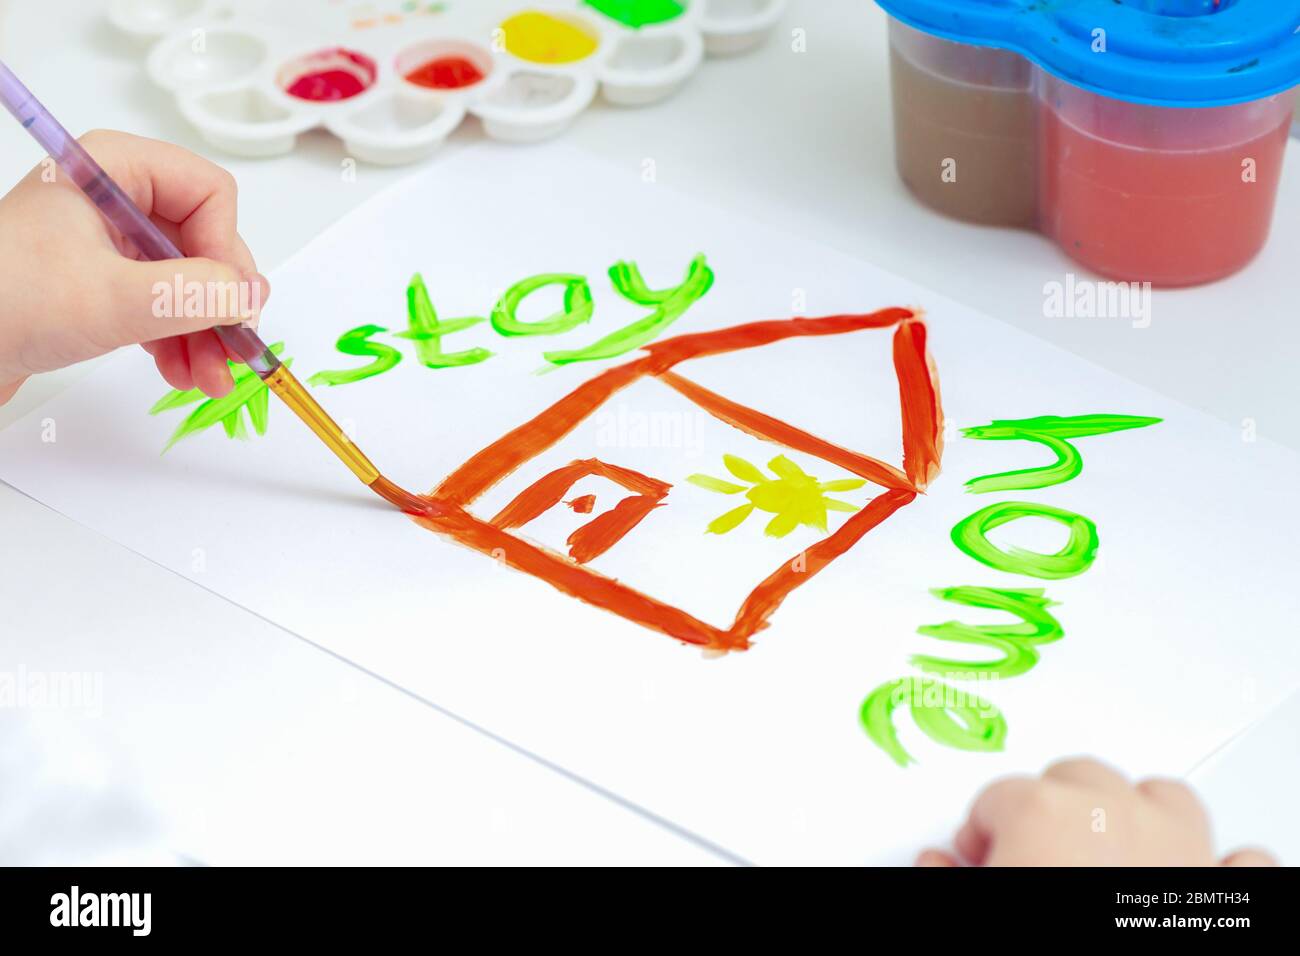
68, 293
1082, 813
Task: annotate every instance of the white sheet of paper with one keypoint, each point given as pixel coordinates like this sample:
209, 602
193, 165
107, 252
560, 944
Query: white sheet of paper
1179, 635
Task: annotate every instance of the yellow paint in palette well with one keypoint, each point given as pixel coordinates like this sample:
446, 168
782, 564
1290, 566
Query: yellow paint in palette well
543, 38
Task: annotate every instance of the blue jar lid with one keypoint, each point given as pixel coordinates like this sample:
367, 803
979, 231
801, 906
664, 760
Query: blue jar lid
1165, 52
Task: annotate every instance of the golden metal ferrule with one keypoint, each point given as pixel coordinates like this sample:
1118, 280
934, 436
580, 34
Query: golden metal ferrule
294, 394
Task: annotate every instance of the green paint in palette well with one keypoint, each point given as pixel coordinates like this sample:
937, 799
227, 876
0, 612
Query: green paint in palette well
639, 13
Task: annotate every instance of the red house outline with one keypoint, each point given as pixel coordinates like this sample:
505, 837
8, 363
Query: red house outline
922, 419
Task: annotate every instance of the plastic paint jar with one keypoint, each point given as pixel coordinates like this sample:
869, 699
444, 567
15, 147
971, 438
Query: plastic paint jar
1145, 136
965, 125
1156, 194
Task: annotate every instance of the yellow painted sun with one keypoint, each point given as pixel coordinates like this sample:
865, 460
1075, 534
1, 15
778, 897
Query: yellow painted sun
793, 497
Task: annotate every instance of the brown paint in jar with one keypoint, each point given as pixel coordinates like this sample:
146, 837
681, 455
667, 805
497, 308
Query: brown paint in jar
966, 127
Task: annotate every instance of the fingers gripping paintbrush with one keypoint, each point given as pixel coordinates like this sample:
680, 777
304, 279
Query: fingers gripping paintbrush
137, 228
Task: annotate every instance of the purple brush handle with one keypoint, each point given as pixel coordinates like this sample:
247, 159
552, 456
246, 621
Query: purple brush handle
116, 206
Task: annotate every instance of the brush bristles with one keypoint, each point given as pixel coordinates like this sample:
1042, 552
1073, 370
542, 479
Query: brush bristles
400, 498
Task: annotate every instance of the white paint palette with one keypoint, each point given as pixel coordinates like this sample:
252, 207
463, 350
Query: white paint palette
393, 80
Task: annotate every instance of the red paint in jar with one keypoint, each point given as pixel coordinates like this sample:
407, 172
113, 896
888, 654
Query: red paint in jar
446, 73
1152, 194
329, 76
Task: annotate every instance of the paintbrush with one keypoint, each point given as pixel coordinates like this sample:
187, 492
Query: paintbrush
240, 340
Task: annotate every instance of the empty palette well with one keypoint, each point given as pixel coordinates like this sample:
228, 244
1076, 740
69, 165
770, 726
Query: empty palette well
250, 106
641, 54
396, 114
224, 57
533, 91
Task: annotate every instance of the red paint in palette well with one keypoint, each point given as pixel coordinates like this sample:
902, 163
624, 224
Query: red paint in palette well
331, 76
446, 73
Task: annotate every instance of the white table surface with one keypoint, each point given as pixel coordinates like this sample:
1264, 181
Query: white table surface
217, 722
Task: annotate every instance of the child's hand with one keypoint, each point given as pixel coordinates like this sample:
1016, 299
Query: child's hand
67, 293
1081, 813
